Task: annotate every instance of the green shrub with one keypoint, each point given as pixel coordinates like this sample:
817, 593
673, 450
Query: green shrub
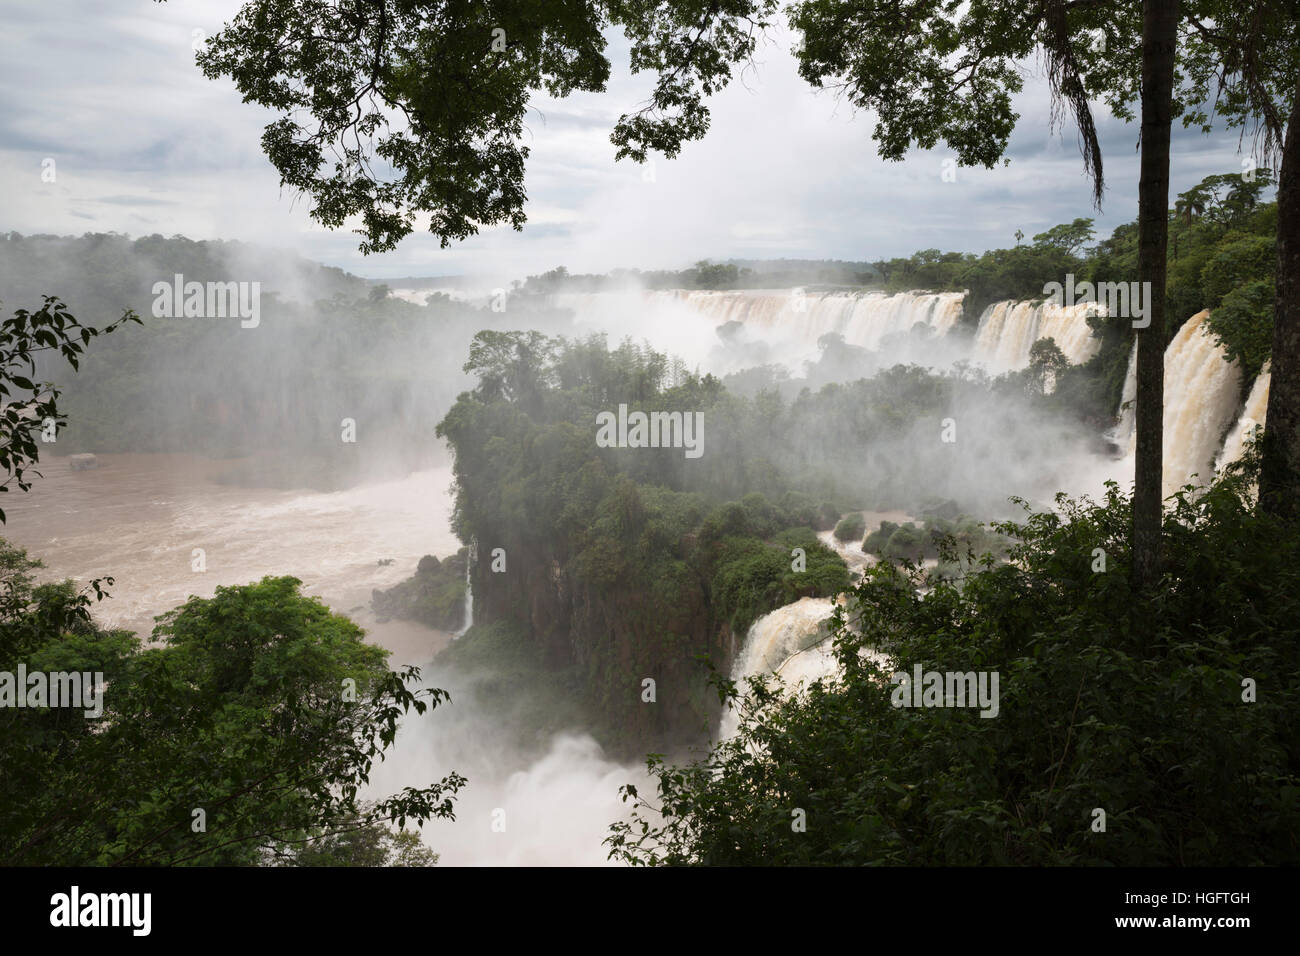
1243, 324
850, 527
752, 577
875, 542
908, 543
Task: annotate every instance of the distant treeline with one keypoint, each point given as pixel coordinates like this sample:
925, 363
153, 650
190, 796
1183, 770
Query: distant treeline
705, 274
101, 273
422, 282
1221, 257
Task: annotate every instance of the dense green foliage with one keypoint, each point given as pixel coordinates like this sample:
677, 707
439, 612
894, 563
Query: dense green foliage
1243, 322
1147, 716
626, 561
621, 568
752, 574
850, 527
244, 735
440, 97
936, 534
623, 563
360, 842
998, 275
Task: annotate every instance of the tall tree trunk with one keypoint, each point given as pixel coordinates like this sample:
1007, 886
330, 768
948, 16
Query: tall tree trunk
1159, 37
1279, 480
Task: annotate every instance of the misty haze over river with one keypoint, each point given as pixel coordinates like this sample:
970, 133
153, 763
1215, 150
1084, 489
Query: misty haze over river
138, 517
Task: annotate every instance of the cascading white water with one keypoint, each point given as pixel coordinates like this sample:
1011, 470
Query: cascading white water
793, 321
851, 551
781, 634
1201, 397
469, 592
790, 321
1252, 417
863, 318
793, 641
1007, 331
1123, 432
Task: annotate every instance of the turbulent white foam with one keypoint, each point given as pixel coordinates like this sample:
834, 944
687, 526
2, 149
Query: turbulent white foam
550, 806
797, 635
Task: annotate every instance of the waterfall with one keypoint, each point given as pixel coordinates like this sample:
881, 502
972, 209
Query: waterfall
792, 641
1252, 416
781, 634
1201, 394
470, 558
851, 551
863, 318
869, 318
1200, 384
791, 321
1201, 397
1007, 331
1123, 433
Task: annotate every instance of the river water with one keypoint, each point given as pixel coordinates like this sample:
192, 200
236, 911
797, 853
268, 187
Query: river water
140, 517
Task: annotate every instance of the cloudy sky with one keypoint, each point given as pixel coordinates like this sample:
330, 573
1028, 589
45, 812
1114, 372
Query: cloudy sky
143, 143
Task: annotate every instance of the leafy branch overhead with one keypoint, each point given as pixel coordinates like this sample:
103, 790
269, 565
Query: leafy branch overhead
390, 109
393, 109
28, 406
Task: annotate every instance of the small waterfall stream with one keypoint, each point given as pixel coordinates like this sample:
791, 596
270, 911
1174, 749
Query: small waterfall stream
1252, 416
470, 560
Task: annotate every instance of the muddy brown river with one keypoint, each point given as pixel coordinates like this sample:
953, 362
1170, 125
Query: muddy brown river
140, 517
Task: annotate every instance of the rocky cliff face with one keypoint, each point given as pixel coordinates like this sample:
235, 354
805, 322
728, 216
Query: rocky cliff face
434, 596
614, 636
